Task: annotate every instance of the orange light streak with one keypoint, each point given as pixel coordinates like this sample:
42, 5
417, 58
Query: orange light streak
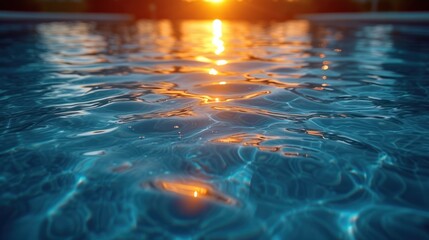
186, 189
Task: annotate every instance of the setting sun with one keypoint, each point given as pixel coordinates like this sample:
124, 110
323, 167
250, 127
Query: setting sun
214, 1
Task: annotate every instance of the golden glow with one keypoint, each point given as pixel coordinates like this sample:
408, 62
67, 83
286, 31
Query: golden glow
208, 97
213, 1
222, 83
213, 71
232, 139
208, 60
221, 62
204, 98
243, 138
203, 59
325, 67
218, 47
193, 190
249, 141
186, 189
217, 37
315, 133
269, 149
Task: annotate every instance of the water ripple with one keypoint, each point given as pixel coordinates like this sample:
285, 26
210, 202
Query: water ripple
214, 129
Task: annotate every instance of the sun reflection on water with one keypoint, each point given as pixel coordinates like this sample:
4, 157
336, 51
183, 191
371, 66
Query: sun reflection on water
224, 112
217, 37
213, 71
191, 189
221, 62
214, 44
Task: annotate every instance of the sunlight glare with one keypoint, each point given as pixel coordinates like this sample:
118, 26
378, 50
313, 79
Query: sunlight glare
221, 62
213, 1
186, 189
217, 37
213, 71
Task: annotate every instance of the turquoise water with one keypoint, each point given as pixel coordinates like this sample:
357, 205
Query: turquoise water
214, 130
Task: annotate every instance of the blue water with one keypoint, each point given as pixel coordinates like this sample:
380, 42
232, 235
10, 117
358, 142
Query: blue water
214, 130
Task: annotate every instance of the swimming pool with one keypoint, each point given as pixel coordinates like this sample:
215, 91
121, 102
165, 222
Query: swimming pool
213, 130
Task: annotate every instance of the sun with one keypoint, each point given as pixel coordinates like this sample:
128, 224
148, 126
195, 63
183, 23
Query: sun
214, 1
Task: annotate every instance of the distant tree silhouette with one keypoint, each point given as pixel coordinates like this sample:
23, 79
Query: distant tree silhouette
19, 5
326, 6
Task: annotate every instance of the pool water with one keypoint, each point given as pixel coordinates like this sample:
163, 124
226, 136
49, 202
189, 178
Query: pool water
214, 130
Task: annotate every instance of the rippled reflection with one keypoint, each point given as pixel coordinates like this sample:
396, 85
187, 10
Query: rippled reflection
214, 129
217, 37
191, 189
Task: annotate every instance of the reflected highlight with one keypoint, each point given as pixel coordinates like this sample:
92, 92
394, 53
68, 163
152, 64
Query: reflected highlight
249, 140
217, 37
213, 71
221, 62
191, 189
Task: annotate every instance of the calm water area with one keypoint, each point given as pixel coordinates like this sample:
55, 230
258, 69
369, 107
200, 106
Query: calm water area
214, 130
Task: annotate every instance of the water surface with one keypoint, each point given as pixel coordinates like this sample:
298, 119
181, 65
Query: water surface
214, 130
